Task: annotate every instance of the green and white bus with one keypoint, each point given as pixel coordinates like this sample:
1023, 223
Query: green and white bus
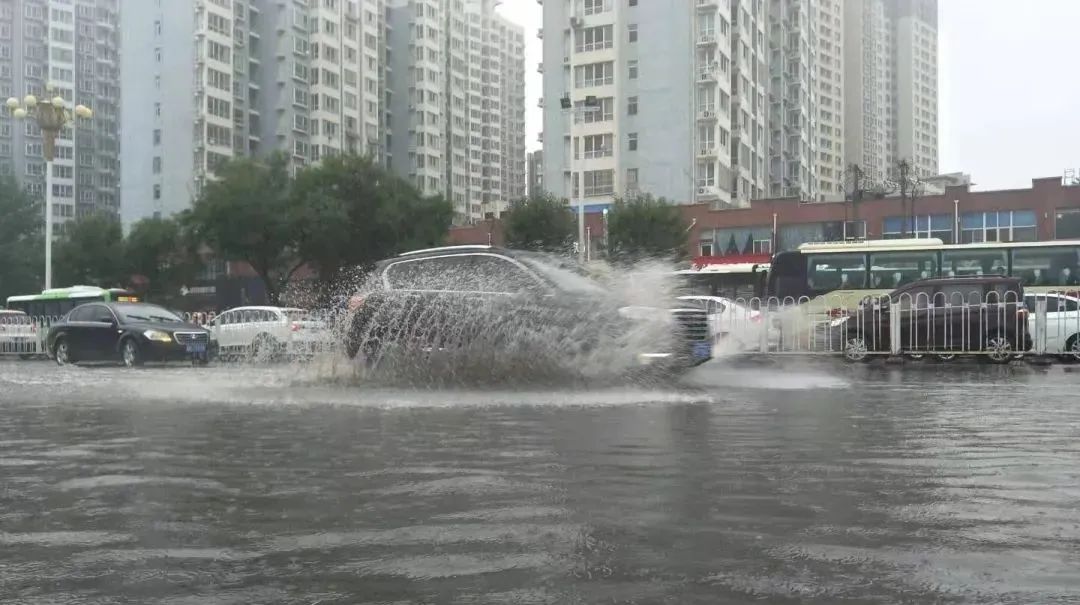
845, 272
58, 301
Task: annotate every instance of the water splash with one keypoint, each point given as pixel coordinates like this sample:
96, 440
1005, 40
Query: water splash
590, 329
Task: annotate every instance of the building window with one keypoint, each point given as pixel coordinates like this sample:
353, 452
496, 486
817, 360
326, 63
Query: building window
157, 165
157, 136
157, 192
705, 248
594, 74
631, 139
632, 30
1067, 224
999, 226
933, 225
631, 106
599, 182
594, 38
633, 65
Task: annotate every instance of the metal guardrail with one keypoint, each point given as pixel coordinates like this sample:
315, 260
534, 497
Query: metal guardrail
1000, 326
24, 335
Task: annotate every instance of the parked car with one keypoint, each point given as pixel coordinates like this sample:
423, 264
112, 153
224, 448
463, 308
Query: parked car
735, 327
943, 317
269, 332
502, 300
1062, 323
18, 334
129, 333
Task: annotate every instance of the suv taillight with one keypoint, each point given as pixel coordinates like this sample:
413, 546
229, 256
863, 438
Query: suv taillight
356, 302
295, 327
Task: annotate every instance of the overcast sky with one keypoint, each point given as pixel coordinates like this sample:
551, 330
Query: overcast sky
1010, 87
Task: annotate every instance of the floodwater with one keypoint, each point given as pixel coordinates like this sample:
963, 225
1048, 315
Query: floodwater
772, 483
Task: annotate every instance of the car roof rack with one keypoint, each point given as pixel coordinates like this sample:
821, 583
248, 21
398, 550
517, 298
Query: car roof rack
447, 249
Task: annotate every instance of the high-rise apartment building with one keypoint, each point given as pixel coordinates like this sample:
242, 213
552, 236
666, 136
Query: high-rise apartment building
827, 82
457, 114
890, 68
218, 79
680, 91
724, 101
74, 45
792, 120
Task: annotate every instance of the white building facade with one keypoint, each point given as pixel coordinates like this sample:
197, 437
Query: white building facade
75, 46
457, 115
221, 79
724, 101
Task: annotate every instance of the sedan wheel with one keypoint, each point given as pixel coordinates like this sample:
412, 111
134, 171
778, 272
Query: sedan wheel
855, 350
999, 349
62, 353
1072, 349
130, 354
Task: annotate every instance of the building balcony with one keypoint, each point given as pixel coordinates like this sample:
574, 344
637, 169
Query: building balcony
706, 39
708, 193
709, 73
707, 114
707, 150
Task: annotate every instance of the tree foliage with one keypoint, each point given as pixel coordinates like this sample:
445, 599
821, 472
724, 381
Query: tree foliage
348, 211
91, 253
541, 222
162, 257
646, 227
245, 215
22, 261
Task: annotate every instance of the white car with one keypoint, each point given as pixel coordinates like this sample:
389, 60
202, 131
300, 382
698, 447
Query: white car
268, 332
1062, 323
18, 334
735, 327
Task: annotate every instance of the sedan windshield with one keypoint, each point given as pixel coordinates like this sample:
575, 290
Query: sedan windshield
150, 313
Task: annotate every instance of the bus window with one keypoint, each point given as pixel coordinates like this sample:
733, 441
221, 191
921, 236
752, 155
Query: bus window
967, 263
1051, 266
894, 269
829, 272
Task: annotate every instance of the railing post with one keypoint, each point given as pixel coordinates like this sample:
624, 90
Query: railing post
763, 334
894, 328
1040, 325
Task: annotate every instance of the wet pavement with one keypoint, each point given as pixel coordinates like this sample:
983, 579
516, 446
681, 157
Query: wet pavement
777, 483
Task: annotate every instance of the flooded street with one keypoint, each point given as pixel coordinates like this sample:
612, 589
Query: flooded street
766, 483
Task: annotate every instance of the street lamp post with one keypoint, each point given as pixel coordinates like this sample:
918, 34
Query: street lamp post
51, 116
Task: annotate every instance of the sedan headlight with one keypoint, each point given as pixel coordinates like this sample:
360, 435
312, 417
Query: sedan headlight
158, 336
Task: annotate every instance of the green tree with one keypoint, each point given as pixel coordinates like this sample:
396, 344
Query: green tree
91, 253
245, 215
646, 227
162, 256
542, 222
22, 260
348, 211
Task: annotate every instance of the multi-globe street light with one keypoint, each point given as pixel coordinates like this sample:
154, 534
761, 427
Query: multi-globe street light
51, 115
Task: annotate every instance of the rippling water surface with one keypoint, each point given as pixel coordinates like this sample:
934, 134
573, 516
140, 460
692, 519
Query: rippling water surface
744, 484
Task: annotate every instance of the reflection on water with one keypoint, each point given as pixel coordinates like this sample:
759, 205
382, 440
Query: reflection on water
244, 486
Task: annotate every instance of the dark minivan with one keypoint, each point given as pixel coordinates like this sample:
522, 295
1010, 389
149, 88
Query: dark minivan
130, 333
943, 317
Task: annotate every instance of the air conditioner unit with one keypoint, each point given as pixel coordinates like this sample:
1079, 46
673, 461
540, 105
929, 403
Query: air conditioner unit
701, 190
707, 114
576, 22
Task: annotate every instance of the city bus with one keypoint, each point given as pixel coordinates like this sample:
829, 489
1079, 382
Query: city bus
734, 277
846, 272
58, 301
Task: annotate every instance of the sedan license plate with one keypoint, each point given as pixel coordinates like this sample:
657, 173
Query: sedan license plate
702, 350
196, 347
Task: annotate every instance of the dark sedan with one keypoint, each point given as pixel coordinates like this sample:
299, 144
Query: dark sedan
131, 333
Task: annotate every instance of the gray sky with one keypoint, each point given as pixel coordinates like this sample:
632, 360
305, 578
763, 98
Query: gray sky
1010, 87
